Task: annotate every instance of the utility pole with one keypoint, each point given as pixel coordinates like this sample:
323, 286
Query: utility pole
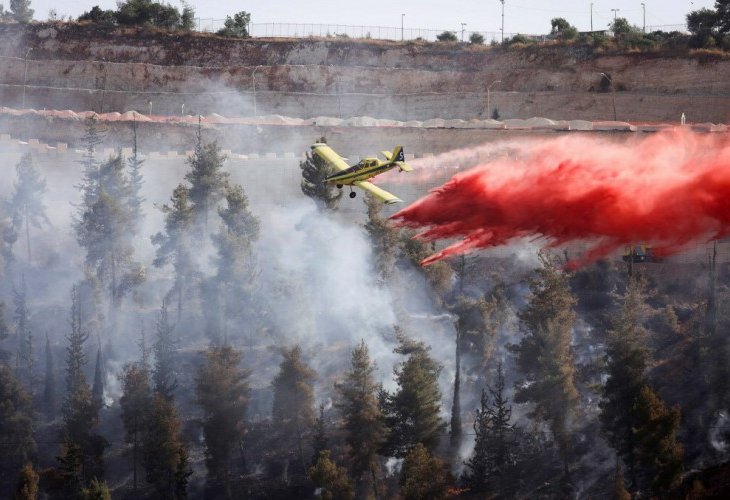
643, 6
614, 14
502, 20
462, 31
591, 17
401, 26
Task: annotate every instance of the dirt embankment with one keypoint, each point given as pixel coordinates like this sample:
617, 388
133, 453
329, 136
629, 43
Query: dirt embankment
86, 67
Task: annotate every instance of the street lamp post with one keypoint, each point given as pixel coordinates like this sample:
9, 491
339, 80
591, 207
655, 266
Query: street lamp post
615, 11
253, 83
502, 20
643, 6
25, 75
613, 94
401, 26
489, 88
462, 31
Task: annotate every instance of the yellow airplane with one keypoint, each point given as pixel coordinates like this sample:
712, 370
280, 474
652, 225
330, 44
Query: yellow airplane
359, 174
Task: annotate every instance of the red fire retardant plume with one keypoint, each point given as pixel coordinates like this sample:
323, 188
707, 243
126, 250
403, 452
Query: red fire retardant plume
669, 190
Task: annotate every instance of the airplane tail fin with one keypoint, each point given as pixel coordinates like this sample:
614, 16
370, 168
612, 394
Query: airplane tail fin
399, 158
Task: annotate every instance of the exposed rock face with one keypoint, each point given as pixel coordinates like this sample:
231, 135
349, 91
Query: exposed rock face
83, 67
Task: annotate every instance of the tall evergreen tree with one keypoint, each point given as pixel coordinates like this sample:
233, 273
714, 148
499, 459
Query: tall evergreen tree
25, 363
544, 355
330, 478
236, 262
16, 428
175, 246
80, 414
293, 408
136, 181
423, 476
26, 202
27, 488
222, 392
164, 455
495, 440
207, 180
314, 172
384, 238
362, 418
163, 374
105, 228
412, 412
135, 402
626, 361
319, 438
97, 390
636, 422
49, 387
659, 451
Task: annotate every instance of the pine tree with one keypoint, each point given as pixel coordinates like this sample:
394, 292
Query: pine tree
135, 403
384, 238
626, 362
544, 355
27, 488
319, 439
659, 451
21, 11
80, 414
25, 336
332, 479
494, 442
163, 374
136, 181
423, 476
97, 390
49, 387
69, 469
314, 172
97, 490
236, 262
293, 411
175, 246
412, 412
362, 418
222, 393
26, 202
105, 228
90, 141
164, 456
207, 180
16, 428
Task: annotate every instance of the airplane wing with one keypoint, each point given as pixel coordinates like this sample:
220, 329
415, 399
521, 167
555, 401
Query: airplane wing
328, 154
376, 191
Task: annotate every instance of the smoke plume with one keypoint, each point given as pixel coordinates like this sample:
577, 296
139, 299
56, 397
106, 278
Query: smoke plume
669, 190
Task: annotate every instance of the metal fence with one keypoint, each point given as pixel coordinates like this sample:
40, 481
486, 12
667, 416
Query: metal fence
303, 30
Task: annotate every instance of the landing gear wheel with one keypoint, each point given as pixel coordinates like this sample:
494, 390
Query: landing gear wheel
353, 194
339, 186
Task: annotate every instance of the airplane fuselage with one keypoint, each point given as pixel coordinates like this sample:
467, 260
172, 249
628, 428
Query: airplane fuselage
364, 170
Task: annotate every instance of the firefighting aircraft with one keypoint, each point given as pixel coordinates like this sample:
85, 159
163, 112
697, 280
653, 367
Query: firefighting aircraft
359, 174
